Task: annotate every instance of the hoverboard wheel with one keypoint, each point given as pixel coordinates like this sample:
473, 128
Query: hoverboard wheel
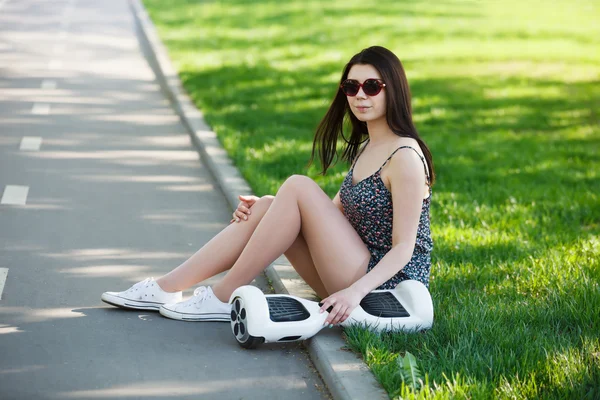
239, 325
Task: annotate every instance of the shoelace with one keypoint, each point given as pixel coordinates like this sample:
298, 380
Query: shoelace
200, 294
138, 285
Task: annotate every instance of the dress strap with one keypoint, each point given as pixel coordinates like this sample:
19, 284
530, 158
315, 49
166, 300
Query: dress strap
420, 156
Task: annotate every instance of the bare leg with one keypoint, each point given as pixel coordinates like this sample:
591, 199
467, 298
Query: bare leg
218, 255
299, 256
300, 206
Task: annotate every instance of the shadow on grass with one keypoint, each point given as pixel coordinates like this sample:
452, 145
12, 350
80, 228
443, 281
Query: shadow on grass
267, 118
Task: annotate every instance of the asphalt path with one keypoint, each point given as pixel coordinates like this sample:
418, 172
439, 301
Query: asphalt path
101, 187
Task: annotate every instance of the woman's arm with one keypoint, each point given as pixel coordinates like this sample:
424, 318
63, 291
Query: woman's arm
407, 180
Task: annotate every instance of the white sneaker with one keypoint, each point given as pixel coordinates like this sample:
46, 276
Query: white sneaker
144, 295
202, 306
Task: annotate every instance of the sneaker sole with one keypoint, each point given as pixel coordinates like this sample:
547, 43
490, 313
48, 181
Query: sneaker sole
214, 317
130, 304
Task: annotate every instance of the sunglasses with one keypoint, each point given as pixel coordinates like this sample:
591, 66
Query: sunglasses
371, 87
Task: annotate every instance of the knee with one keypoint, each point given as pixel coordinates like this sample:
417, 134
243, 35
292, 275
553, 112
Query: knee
300, 182
262, 205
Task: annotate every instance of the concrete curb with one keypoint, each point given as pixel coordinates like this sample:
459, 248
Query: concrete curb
346, 375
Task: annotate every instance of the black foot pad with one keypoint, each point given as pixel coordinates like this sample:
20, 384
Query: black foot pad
383, 304
285, 309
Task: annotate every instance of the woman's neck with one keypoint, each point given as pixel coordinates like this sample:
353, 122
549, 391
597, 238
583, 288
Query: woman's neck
380, 132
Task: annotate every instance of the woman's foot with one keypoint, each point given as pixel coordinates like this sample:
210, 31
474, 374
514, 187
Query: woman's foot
202, 306
144, 295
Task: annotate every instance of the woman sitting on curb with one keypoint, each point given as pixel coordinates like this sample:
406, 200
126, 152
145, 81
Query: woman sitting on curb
374, 234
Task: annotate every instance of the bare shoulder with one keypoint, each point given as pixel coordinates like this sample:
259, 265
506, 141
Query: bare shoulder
405, 168
405, 165
410, 142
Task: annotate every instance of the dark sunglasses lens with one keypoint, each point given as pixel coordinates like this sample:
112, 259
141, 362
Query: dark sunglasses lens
350, 88
371, 87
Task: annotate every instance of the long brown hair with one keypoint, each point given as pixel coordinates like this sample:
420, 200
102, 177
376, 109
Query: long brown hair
398, 111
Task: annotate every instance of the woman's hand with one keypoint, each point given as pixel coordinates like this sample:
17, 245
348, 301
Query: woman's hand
243, 209
343, 302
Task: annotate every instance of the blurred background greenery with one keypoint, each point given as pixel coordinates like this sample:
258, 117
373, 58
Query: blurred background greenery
507, 96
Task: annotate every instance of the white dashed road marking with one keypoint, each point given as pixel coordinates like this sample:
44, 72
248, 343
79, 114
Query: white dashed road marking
55, 64
15, 195
40, 108
3, 275
59, 48
32, 143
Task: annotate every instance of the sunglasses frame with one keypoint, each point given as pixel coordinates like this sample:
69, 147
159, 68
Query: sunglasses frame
361, 85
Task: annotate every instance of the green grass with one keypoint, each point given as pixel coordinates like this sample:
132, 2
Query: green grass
506, 94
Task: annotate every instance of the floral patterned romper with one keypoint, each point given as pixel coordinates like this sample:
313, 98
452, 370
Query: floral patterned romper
368, 207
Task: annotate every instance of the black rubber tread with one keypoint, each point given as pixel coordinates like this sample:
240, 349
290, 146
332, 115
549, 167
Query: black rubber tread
383, 305
286, 309
252, 342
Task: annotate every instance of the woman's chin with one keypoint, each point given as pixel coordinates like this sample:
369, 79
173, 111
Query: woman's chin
361, 117
368, 117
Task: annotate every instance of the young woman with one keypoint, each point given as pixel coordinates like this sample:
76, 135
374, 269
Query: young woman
374, 234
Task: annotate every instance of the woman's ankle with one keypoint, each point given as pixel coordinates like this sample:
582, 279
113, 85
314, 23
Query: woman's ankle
165, 287
218, 292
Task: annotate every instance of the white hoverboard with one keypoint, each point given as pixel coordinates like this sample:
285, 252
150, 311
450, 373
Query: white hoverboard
258, 318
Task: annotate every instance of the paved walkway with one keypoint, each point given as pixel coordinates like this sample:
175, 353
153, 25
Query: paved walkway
100, 188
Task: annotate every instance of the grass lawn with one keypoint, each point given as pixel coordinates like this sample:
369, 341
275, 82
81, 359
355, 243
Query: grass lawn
507, 95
